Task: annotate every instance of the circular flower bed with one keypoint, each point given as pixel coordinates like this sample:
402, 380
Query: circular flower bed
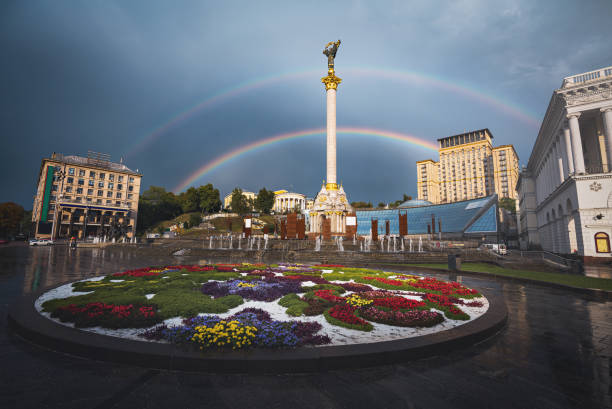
238, 306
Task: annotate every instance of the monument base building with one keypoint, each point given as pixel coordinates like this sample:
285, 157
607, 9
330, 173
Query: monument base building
330, 204
565, 191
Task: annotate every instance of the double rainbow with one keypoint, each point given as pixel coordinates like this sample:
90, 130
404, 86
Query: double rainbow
412, 77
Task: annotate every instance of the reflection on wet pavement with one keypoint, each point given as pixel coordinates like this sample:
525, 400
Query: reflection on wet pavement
555, 353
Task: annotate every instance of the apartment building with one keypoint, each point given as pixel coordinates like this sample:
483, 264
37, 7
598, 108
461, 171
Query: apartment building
469, 167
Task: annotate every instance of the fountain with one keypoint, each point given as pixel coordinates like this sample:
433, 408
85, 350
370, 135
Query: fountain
361, 246
411, 245
389, 238
239, 243
231, 242
340, 246
265, 242
403, 249
210, 243
420, 244
394, 244
258, 243
318, 243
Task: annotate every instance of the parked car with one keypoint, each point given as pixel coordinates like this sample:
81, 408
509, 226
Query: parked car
21, 237
41, 242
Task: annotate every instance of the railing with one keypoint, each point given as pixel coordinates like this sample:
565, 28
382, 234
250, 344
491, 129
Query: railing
586, 77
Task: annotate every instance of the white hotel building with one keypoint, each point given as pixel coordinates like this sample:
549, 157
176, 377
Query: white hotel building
565, 192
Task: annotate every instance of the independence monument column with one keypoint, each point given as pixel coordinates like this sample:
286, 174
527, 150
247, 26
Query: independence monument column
331, 203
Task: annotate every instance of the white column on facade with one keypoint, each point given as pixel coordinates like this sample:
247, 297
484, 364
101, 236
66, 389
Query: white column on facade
558, 163
549, 182
606, 114
562, 158
576, 142
331, 136
568, 149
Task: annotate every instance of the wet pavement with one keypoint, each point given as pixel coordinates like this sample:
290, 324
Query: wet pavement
555, 353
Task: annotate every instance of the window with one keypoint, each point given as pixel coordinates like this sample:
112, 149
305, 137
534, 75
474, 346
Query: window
602, 242
131, 188
89, 200
54, 188
129, 196
91, 183
81, 182
70, 180
78, 199
69, 189
109, 194
120, 178
120, 186
102, 176
71, 172
100, 193
100, 184
90, 191
118, 195
117, 203
52, 198
111, 177
81, 172
79, 190
108, 202
111, 185
99, 201
67, 197
131, 179
92, 174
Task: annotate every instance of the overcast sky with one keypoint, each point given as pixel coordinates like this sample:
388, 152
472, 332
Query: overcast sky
115, 77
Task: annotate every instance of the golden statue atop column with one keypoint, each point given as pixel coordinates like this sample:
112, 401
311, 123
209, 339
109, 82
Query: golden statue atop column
331, 202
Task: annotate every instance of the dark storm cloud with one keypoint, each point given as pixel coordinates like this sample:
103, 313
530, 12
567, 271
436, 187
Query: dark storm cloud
103, 75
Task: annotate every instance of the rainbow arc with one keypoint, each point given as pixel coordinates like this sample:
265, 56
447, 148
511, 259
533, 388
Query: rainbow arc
262, 143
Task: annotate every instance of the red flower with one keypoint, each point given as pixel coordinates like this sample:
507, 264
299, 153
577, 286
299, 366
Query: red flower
346, 313
397, 303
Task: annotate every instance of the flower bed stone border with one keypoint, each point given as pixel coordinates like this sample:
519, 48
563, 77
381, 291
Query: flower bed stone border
25, 320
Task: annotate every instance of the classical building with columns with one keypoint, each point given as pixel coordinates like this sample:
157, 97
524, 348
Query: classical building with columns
289, 201
565, 192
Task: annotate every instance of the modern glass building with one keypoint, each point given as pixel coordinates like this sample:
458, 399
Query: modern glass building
469, 218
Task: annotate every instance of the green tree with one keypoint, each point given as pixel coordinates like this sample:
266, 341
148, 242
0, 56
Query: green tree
11, 216
195, 220
381, 204
508, 204
190, 200
264, 201
210, 200
239, 202
361, 205
156, 205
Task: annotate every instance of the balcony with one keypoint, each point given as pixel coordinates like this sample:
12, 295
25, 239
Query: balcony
586, 77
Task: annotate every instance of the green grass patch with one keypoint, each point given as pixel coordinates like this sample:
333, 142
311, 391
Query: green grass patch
295, 306
173, 303
573, 280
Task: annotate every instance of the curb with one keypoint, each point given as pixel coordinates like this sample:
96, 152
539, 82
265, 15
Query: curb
26, 321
